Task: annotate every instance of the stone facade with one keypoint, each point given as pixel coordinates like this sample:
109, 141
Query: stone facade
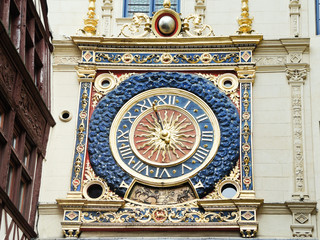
285, 114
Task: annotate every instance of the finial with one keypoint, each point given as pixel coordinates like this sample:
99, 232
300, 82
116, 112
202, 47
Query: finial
245, 23
166, 4
91, 22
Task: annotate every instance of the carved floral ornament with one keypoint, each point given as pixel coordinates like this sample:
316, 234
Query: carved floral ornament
144, 26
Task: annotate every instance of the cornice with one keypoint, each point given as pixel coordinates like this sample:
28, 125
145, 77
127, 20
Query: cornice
277, 54
168, 42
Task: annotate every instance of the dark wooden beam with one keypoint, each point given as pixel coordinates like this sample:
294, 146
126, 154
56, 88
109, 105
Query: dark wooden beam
17, 217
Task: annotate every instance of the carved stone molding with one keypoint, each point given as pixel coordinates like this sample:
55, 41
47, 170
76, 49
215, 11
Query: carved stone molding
270, 60
86, 73
296, 78
302, 226
246, 73
107, 12
295, 57
296, 75
65, 60
295, 17
200, 8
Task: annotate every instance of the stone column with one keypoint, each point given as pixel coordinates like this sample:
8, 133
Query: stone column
295, 18
296, 76
106, 23
300, 206
200, 8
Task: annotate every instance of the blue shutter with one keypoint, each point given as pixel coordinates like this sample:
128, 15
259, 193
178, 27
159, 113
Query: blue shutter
136, 6
158, 4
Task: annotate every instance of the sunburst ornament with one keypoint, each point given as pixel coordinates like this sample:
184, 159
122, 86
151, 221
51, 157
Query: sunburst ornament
165, 136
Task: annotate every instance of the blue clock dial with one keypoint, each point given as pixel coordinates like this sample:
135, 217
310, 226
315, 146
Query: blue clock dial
164, 136
133, 133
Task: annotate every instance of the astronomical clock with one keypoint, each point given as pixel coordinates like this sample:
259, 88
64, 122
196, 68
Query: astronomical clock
164, 130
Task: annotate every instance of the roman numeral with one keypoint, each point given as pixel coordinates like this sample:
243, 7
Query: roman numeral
145, 105
207, 136
166, 100
139, 166
185, 166
187, 104
202, 117
164, 171
130, 117
201, 154
123, 135
125, 150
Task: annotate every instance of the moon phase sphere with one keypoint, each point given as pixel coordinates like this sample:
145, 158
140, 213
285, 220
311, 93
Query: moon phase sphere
167, 25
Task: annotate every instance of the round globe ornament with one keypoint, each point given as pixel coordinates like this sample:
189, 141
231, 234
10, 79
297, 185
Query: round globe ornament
166, 23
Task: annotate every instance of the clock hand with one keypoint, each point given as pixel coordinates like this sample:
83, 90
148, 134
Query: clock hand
157, 114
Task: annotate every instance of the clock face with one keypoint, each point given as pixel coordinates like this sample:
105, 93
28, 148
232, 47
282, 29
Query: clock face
164, 136
164, 130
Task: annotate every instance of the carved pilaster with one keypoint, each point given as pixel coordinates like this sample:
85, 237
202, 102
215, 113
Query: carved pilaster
200, 8
295, 17
246, 75
107, 10
296, 78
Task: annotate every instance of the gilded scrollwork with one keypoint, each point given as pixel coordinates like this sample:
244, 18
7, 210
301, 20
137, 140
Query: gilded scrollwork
166, 58
193, 27
233, 94
139, 27
172, 215
114, 81
91, 178
233, 177
71, 233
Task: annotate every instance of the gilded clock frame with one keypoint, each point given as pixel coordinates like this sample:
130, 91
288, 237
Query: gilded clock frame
233, 57
162, 91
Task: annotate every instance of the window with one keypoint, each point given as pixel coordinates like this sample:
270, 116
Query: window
318, 17
1, 118
26, 157
10, 179
22, 195
147, 6
15, 139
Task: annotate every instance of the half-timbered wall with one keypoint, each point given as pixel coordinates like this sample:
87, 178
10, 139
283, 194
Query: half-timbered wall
25, 119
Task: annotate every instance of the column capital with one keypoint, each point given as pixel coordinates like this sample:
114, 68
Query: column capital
86, 73
296, 75
246, 73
